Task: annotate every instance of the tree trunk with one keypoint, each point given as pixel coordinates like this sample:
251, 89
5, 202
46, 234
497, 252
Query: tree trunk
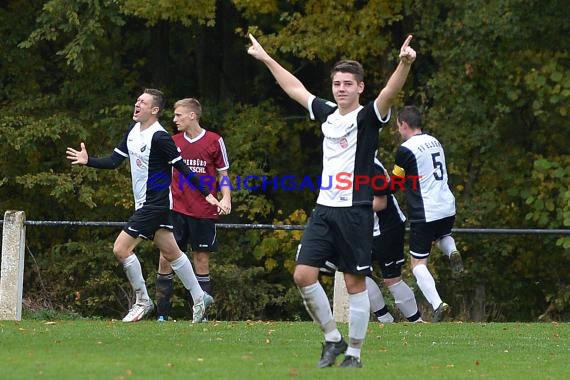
478, 304
160, 55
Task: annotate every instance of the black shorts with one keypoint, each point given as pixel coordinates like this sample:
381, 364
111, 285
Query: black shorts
201, 233
388, 251
422, 235
339, 235
144, 222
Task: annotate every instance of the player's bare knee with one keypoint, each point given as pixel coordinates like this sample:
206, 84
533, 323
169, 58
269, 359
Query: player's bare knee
392, 281
299, 280
303, 277
163, 265
120, 253
170, 256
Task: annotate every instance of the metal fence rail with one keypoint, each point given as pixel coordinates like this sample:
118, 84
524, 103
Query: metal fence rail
14, 241
256, 226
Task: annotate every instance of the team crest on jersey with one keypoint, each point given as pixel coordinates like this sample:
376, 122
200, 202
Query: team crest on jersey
343, 142
139, 162
143, 148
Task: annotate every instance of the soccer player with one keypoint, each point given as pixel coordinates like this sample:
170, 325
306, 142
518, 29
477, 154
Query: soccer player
340, 227
194, 218
152, 155
388, 252
420, 162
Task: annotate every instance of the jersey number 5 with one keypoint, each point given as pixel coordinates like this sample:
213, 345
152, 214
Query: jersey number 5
437, 166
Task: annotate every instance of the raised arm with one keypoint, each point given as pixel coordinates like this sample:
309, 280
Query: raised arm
81, 157
397, 79
288, 82
77, 157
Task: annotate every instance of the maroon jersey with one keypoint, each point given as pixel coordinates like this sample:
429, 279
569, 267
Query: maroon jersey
205, 155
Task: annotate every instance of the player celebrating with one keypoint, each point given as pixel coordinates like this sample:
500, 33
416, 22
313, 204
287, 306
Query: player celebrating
340, 227
152, 155
431, 205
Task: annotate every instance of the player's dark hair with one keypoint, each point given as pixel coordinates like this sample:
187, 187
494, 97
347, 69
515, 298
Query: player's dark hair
412, 116
348, 66
157, 98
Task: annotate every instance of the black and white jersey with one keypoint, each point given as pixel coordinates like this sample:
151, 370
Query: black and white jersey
421, 160
151, 153
392, 216
349, 144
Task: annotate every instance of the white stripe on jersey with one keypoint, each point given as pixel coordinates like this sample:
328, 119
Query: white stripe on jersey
224, 155
398, 209
376, 230
121, 152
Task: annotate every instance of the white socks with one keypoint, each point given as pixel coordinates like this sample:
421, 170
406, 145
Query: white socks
133, 270
375, 295
404, 298
427, 285
447, 245
359, 314
318, 306
183, 269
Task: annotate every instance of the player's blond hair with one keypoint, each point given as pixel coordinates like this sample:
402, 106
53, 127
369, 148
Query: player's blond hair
191, 104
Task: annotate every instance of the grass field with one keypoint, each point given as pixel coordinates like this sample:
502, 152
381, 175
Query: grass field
92, 349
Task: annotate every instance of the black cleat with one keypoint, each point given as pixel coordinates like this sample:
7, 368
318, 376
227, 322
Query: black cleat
330, 351
351, 362
456, 264
441, 312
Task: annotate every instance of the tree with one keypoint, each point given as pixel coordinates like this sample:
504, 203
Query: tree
490, 77
498, 98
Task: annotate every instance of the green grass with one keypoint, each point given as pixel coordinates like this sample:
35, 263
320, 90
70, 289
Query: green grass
88, 349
